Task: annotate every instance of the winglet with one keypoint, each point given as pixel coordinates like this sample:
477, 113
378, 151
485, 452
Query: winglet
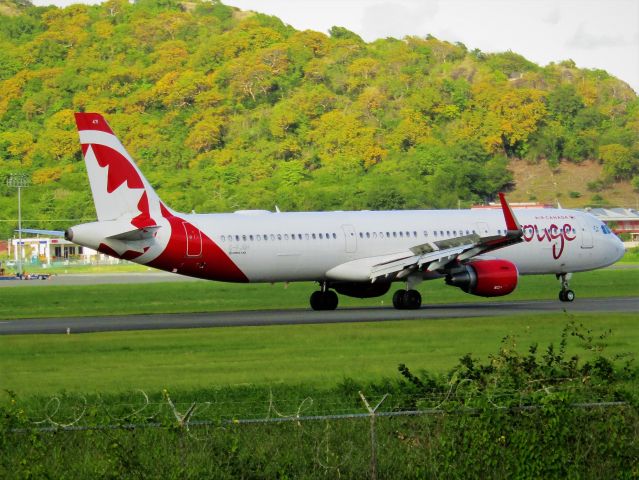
512, 225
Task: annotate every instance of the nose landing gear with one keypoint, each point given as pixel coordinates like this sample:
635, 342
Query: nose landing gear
565, 294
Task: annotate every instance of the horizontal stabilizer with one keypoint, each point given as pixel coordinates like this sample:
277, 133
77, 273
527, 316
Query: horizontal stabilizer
33, 231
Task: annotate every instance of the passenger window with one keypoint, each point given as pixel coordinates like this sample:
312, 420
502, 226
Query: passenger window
321, 236
368, 235
334, 236
313, 236
237, 238
279, 236
361, 235
223, 238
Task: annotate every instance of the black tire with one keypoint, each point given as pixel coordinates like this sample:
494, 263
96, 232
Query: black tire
562, 295
330, 300
317, 300
398, 299
412, 300
321, 301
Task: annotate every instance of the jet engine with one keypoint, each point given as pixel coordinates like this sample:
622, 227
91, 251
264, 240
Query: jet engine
485, 278
361, 290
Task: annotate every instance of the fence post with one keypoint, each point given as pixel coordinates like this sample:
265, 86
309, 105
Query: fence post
371, 412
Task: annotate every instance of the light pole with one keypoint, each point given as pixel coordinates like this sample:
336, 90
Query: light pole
19, 181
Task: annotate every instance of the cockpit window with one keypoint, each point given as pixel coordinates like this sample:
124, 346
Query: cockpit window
605, 229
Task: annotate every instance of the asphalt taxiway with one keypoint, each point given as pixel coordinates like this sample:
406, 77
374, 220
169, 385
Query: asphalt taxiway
306, 316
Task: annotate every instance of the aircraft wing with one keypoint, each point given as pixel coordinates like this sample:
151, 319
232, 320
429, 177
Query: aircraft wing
432, 256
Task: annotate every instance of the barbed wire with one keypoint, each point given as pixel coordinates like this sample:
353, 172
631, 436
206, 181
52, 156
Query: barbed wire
185, 421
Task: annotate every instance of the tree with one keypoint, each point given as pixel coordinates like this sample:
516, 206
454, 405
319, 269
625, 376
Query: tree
564, 103
618, 161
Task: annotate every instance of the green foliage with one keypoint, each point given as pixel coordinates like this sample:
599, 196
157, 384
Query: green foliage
535, 414
217, 101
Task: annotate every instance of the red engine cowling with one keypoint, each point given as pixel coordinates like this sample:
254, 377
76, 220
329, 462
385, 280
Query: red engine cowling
485, 278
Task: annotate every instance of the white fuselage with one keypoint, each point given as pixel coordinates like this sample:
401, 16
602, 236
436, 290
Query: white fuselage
269, 247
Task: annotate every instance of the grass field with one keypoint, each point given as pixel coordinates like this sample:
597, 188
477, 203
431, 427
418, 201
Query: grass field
321, 355
123, 299
273, 371
318, 355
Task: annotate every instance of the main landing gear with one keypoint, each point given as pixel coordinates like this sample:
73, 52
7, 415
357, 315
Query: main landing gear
407, 300
565, 294
324, 299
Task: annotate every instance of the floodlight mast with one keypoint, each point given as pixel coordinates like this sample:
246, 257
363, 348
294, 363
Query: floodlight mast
19, 181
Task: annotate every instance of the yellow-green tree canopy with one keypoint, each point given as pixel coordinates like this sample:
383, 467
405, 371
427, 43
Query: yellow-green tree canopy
226, 109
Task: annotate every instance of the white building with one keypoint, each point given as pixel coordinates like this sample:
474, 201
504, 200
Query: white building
45, 251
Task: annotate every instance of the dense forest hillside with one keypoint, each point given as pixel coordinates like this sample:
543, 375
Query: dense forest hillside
225, 109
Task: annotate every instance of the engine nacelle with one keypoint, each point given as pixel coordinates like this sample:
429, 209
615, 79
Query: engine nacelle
361, 290
485, 278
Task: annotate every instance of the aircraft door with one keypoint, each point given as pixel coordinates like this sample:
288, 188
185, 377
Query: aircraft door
586, 233
350, 238
193, 240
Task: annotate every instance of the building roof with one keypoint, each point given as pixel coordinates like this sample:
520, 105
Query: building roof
614, 214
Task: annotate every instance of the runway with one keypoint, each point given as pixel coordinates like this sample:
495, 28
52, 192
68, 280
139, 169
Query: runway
307, 316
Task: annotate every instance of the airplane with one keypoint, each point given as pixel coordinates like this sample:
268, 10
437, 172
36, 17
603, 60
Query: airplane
353, 253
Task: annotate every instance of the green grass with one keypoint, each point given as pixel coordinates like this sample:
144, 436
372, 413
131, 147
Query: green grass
631, 256
123, 299
318, 355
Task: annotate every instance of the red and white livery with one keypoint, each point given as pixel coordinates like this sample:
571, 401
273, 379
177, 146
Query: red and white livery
357, 254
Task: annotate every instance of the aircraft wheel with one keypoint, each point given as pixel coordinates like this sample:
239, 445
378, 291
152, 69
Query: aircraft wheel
412, 300
407, 299
398, 299
324, 300
316, 300
330, 300
566, 295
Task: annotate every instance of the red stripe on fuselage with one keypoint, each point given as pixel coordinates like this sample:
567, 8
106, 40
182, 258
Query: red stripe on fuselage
211, 264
